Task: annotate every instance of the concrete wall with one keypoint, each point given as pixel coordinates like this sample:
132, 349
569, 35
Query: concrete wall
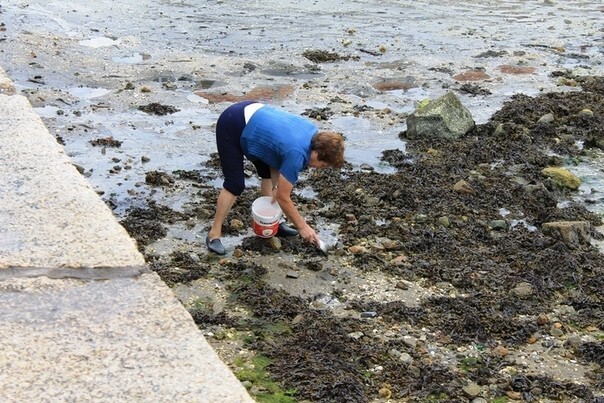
82, 318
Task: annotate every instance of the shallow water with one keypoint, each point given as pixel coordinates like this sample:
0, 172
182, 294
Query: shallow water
74, 59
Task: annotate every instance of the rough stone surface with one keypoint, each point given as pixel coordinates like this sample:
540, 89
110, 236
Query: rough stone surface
50, 217
571, 232
82, 317
563, 177
443, 117
125, 339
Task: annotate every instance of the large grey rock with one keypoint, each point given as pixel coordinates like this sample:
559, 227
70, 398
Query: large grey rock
443, 117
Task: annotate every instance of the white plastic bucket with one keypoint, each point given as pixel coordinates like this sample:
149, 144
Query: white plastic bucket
266, 217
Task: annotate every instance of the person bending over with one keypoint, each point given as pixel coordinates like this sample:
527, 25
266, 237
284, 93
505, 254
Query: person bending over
280, 145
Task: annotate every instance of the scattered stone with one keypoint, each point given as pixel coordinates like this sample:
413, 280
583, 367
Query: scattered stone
556, 332
513, 395
562, 177
405, 358
501, 351
298, 319
444, 221
410, 342
542, 319
274, 243
498, 225
356, 335
547, 118
472, 389
573, 233
385, 392
237, 224
522, 290
357, 249
292, 274
463, 187
401, 285
369, 314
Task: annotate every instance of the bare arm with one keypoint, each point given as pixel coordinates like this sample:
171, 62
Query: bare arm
283, 196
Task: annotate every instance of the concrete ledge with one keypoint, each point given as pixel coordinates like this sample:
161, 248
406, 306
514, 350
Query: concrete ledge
49, 214
119, 340
82, 317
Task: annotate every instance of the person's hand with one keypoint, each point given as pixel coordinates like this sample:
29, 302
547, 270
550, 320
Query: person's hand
274, 197
309, 235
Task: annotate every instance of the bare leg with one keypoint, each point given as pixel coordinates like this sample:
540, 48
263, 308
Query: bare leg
266, 187
224, 204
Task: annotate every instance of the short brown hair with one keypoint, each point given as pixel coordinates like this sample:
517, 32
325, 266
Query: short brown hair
329, 147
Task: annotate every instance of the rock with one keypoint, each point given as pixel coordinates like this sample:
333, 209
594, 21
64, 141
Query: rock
556, 332
498, 225
443, 117
513, 395
405, 358
356, 335
385, 392
574, 342
401, 285
292, 274
357, 249
501, 351
547, 118
274, 243
562, 177
444, 221
542, 319
472, 389
463, 187
410, 342
237, 225
573, 233
298, 319
522, 290
479, 400
421, 218
350, 218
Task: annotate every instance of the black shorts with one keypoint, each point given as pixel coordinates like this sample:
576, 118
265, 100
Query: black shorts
229, 128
